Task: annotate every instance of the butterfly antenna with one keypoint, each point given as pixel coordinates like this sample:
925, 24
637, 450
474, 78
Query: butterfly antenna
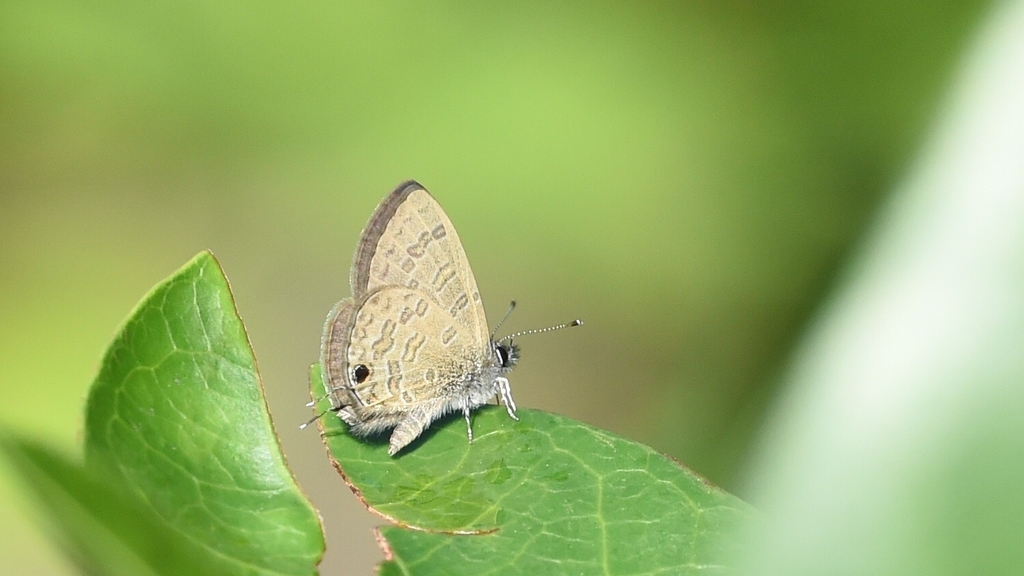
312, 403
317, 417
576, 322
511, 307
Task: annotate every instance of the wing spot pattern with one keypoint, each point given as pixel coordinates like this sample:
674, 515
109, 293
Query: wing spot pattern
422, 307
445, 273
418, 248
417, 308
394, 382
412, 347
405, 315
386, 341
459, 305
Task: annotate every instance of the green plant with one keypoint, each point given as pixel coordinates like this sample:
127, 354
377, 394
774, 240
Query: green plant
183, 473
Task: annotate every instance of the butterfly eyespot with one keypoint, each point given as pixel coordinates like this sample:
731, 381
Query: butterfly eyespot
360, 373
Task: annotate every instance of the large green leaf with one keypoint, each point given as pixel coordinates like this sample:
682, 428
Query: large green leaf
543, 495
177, 415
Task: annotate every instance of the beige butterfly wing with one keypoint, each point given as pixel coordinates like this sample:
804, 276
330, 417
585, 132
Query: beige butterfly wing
334, 345
410, 242
411, 349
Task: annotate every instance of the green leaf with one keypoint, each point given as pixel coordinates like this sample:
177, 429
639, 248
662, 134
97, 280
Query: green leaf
177, 415
542, 495
104, 528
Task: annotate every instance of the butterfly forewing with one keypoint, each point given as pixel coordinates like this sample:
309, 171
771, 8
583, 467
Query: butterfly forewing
410, 242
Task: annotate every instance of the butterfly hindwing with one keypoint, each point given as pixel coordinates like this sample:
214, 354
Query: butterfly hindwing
412, 350
334, 346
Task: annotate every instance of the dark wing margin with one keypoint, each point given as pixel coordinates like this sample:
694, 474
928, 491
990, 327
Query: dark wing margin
334, 354
360, 276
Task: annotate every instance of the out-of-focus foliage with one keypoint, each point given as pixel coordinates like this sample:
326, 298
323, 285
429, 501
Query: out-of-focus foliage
684, 177
897, 446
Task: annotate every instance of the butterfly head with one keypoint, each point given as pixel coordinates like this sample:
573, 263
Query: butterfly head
507, 354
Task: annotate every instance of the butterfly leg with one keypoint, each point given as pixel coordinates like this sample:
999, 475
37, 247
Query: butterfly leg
505, 391
469, 425
347, 416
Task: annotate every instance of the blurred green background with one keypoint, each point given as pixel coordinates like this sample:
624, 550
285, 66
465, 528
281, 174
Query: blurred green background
685, 177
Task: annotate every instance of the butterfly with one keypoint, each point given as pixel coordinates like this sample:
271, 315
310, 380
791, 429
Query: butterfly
411, 344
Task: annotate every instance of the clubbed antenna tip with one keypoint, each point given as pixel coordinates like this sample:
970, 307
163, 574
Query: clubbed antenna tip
576, 322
